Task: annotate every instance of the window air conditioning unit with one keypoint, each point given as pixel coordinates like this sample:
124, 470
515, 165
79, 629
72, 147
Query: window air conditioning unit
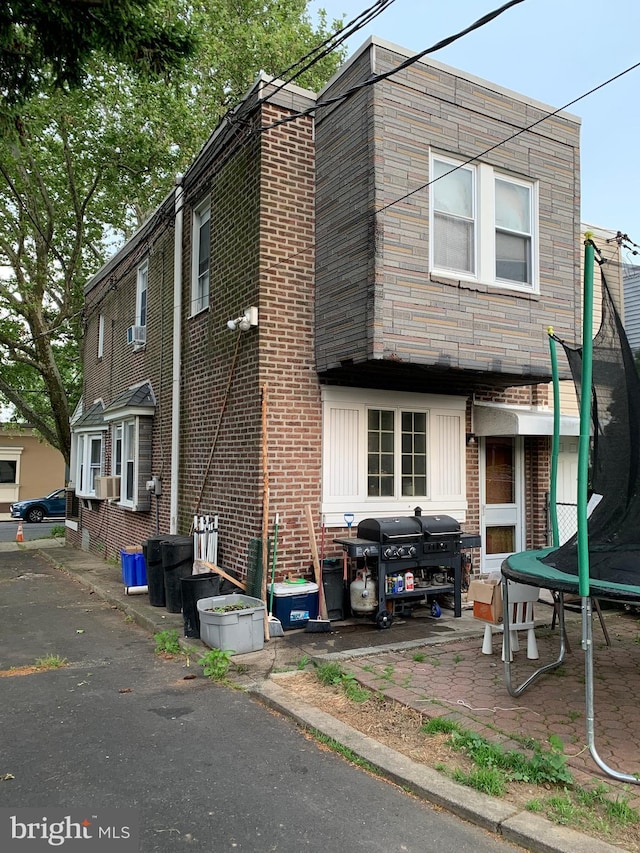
107, 488
137, 335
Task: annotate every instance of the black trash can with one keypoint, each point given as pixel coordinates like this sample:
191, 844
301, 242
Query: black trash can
177, 563
333, 586
195, 587
155, 572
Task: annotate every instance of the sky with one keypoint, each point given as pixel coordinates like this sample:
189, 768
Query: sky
553, 51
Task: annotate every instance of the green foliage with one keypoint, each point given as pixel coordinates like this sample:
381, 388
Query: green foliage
487, 780
50, 42
540, 768
81, 168
332, 674
215, 663
57, 531
167, 641
50, 662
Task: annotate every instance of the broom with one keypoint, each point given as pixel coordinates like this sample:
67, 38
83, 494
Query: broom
275, 625
322, 624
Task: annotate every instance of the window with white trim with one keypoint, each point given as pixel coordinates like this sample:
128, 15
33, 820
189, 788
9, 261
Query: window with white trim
124, 463
89, 462
386, 452
100, 335
130, 433
483, 224
141, 293
200, 260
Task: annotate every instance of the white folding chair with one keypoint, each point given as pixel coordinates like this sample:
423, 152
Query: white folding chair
521, 600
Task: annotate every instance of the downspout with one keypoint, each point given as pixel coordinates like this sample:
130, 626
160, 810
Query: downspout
177, 340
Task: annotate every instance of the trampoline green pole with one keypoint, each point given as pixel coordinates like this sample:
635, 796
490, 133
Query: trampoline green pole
585, 420
553, 490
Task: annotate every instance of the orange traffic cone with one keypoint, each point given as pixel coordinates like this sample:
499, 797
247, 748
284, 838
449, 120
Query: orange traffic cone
19, 533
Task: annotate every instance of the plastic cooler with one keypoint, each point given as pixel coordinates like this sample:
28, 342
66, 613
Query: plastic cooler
294, 603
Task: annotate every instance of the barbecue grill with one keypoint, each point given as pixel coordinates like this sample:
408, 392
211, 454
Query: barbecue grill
397, 545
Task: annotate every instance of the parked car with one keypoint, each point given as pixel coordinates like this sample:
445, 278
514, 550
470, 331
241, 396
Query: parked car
35, 509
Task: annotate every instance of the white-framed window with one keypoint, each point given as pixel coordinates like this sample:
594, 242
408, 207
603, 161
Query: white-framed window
483, 224
100, 335
201, 256
141, 293
124, 462
89, 462
388, 452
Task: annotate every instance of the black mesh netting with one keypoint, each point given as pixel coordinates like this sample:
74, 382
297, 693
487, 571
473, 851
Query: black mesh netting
614, 525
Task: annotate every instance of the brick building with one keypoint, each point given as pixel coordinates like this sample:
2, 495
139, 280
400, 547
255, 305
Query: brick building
406, 249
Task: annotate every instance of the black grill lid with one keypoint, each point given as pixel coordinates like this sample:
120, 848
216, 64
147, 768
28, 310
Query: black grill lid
434, 526
390, 529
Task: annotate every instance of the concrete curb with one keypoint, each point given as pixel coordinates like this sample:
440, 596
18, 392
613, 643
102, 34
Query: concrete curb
531, 831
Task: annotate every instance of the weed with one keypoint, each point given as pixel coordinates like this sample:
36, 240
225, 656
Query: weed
435, 661
329, 673
387, 672
189, 652
167, 641
215, 663
419, 657
57, 531
542, 767
347, 753
458, 658
438, 725
51, 662
487, 780
534, 806
302, 663
332, 674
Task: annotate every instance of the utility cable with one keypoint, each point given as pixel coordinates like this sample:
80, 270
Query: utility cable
376, 78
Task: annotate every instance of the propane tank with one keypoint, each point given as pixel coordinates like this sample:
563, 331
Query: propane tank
362, 593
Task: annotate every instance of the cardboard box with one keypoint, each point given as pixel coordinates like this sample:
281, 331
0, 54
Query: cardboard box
487, 600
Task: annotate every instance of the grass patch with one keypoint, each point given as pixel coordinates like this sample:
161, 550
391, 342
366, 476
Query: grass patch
332, 674
50, 662
543, 766
345, 752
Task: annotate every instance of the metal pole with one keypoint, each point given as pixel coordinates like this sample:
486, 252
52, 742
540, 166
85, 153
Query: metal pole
553, 507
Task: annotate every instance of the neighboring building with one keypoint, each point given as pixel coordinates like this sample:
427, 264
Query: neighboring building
631, 277
406, 252
29, 467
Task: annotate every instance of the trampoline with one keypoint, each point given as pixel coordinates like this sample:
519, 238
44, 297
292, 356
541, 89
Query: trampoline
602, 560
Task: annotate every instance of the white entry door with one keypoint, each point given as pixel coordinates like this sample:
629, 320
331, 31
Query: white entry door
501, 499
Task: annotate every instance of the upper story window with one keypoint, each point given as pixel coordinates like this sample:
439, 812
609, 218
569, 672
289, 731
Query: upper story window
100, 335
141, 293
483, 225
201, 246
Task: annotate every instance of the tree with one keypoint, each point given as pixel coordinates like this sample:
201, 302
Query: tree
79, 165
45, 42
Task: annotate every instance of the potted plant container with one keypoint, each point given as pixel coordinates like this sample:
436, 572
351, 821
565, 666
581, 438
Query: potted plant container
232, 622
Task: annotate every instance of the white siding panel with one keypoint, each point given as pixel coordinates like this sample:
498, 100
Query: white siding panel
447, 479
342, 464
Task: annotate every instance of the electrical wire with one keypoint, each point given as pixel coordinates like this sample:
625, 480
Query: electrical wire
510, 138
376, 78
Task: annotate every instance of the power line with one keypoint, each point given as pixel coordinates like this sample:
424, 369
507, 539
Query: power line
509, 138
376, 78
